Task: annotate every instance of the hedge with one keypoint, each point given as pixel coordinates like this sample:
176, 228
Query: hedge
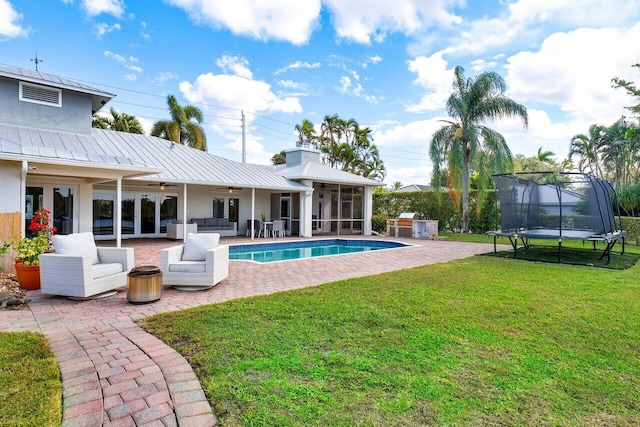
440, 205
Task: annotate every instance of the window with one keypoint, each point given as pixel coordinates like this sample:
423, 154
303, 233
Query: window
40, 94
103, 204
218, 207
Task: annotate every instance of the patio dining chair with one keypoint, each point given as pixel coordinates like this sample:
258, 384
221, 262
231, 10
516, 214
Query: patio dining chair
277, 228
256, 228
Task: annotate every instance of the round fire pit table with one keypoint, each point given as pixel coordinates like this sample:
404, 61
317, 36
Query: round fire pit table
145, 284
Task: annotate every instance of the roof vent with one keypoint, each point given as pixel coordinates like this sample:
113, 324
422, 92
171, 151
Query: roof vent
40, 94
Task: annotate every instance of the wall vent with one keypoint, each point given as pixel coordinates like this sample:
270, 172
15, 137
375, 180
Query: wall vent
40, 94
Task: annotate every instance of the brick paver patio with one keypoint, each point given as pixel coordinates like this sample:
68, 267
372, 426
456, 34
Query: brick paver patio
115, 374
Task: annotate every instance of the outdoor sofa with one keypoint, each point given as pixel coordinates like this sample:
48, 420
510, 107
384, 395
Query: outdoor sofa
221, 226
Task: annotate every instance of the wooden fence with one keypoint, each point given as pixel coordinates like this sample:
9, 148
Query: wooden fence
10, 230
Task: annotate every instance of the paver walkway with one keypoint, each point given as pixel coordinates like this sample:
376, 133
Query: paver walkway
115, 374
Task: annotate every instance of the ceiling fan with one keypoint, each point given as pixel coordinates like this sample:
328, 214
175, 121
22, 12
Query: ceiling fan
163, 186
229, 190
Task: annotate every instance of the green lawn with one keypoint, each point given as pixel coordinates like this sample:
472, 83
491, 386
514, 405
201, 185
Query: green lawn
480, 341
30, 385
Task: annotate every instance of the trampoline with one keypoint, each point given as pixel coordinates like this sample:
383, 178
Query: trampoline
557, 205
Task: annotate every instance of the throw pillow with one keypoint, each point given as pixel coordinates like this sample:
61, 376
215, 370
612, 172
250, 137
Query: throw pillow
76, 244
196, 245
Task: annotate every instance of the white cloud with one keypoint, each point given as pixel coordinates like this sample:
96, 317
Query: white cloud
524, 20
573, 71
104, 28
125, 62
165, 76
354, 88
294, 88
364, 20
110, 7
297, 65
413, 135
226, 94
256, 152
435, 78
480, 65
237, 93
375, 59
235, 65
287, 20
143, 31
10, 26
410, 143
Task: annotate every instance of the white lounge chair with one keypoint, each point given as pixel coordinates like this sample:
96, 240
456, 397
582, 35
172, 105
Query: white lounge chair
200, 263
79, 269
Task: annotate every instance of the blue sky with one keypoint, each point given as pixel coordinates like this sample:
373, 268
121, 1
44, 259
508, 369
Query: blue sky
387, 64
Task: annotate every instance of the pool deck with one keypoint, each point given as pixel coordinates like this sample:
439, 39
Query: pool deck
116, 374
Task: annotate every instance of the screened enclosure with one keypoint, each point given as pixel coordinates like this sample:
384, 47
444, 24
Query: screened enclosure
548, 205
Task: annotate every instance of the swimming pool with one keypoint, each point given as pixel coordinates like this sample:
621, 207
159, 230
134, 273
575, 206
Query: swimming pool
286, 251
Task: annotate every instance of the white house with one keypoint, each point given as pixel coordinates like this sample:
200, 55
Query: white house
121, 185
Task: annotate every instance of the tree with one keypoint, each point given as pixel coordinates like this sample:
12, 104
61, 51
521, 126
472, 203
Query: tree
631, 88
620, 150
533, 164
121, 122
587, 148
466, 144
306, 133
184, 126
546, 156
345, 145
279, 158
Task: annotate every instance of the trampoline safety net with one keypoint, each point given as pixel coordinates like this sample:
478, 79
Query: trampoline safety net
548, 205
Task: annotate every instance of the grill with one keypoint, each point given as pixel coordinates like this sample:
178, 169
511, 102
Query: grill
408, 224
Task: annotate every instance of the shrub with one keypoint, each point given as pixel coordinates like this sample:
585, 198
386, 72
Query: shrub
379, 223
440, 205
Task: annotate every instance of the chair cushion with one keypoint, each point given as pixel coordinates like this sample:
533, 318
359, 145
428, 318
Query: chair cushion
104, 270
199, 221
210, 222
188, 267
223, 221
76, 244
196, 245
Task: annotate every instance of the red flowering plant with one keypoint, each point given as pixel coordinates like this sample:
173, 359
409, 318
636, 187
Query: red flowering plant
29, 249
40, 223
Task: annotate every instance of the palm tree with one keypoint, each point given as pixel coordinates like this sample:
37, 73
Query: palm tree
181, 129
306, 132
588, 147
545, 156
465, 143
345, 145
121, 122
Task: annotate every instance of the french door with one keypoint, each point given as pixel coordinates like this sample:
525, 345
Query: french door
57, 199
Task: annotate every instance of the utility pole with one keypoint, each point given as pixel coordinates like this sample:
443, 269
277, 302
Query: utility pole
37, 61
244, 140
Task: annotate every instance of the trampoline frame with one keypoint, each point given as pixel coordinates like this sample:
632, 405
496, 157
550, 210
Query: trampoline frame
605, 209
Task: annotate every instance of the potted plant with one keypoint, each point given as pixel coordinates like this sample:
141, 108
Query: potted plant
263, 215
29, 249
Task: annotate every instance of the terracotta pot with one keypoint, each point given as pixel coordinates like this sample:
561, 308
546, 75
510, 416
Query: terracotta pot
28, 276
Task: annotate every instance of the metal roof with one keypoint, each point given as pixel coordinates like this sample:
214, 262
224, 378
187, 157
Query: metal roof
10, 150
318, 172
98, 97
171, 163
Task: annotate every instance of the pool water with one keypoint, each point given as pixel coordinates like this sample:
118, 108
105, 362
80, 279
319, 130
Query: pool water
286, 251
